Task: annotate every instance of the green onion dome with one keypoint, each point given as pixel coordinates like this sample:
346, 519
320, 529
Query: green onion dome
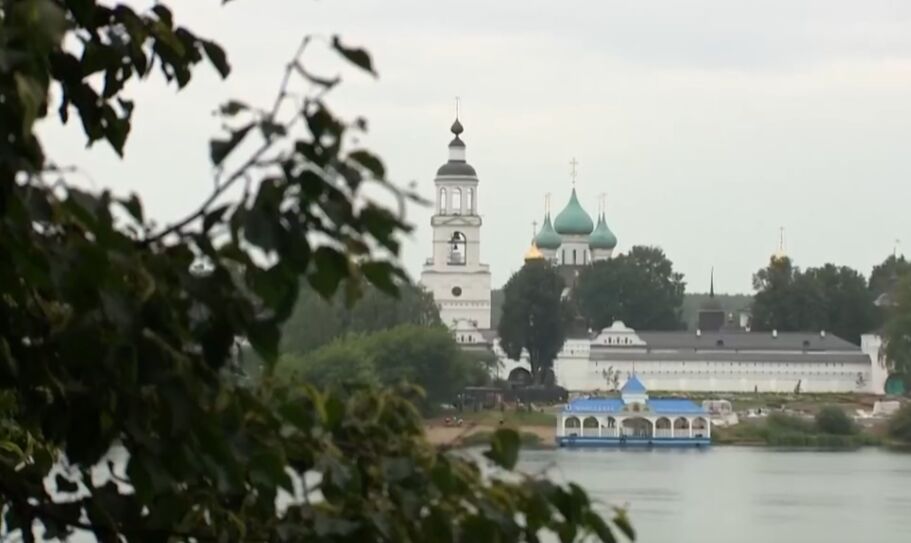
573, 220
602, 237
548, 238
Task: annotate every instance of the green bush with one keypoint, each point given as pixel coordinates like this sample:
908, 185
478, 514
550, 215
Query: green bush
833, 420
900, 424
782, 423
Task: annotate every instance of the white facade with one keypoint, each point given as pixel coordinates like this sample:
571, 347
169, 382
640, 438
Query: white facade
716, 362
454, 274
574, 251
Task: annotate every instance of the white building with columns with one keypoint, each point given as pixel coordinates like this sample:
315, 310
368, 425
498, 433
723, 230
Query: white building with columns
454, 274
633, 419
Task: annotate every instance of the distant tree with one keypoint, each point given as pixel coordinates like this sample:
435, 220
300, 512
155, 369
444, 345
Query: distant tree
612, 378
342, 361
534, 316
425, 356
848, 305
886, 274
897, 327
317, 321
832, 298
640, 288
833, 420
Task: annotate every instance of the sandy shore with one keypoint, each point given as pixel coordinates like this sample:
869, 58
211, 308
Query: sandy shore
440, 434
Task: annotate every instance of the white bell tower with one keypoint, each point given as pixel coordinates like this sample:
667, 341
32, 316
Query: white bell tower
454, 274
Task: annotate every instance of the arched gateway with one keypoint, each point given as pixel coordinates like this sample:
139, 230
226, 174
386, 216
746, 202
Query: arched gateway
633, 419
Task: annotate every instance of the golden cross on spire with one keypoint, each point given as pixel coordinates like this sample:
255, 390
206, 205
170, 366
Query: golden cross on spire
572, 164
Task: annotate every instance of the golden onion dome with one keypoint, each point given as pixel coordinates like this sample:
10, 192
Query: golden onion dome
533, 253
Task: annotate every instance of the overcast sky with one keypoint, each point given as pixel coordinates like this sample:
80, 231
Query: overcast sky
707, 124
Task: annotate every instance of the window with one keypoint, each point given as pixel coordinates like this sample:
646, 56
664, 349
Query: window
443, 201
574, 256
469, 202
456, 201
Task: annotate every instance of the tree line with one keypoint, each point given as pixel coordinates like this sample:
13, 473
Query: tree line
642, 289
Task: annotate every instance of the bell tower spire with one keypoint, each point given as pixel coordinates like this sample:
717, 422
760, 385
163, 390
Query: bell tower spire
454, 274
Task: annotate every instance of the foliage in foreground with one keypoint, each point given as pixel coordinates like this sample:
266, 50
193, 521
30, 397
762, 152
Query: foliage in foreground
426, 356
900, 425
117, 336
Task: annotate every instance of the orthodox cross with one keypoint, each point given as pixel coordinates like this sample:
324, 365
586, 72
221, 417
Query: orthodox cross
572, 164
534, 229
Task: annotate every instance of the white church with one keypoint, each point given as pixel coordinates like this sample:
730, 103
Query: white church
719, 359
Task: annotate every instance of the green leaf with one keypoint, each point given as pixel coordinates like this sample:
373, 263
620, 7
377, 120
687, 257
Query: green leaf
65, 485
219, 149
217, 57
31, 96
381, 275
504, 448
358, 57
270, 128
232, 107
369, 161
622, 522
331, 267
134, 206
597, 525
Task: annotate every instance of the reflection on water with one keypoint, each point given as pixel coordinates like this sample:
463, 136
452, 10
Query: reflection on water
733, 494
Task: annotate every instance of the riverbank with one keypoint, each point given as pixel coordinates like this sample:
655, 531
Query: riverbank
783, 427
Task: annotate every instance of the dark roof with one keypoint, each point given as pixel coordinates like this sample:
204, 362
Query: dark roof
745, 341
456, 142
456, 167
605, 354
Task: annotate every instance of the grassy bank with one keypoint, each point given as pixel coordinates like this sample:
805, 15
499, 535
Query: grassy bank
779, 430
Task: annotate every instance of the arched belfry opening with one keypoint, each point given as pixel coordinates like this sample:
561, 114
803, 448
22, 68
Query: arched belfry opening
458, 246
456, 201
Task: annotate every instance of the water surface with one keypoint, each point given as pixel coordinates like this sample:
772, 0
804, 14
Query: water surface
740, 494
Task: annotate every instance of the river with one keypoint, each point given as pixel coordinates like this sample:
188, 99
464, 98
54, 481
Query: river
745, 495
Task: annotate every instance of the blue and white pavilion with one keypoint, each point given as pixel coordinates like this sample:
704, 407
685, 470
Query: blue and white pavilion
633, 419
